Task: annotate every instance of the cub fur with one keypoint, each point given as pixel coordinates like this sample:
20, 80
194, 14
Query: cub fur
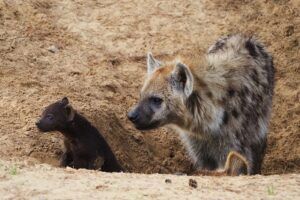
84, 145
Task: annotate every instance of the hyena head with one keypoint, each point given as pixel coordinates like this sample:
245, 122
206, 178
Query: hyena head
56, 116
163, 94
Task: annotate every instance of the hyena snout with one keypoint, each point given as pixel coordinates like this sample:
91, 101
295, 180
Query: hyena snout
42, 126
38, 124
133, 115
142, 117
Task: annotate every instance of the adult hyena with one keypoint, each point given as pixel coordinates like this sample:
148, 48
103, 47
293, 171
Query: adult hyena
218, 105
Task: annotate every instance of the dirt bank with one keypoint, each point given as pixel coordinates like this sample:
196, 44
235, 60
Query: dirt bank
99, 63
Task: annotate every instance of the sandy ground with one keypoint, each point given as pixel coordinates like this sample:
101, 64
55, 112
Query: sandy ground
98, 61
22, 181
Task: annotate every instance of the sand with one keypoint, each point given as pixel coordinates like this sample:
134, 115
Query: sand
26, 181
94, 53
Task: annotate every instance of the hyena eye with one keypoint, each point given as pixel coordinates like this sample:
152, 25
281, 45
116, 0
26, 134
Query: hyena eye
50, 117
156, 100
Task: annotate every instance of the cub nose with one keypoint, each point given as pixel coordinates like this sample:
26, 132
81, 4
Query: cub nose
133, 116
37, 123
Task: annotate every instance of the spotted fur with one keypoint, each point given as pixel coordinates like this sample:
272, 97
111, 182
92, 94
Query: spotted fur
224, 108
235, 165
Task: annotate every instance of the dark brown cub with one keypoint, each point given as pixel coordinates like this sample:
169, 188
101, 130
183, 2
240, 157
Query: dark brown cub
84, 145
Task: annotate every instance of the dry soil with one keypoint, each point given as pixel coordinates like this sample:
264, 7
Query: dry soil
94, 53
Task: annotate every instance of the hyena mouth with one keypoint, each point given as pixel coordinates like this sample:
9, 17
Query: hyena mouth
147, 126
42, 128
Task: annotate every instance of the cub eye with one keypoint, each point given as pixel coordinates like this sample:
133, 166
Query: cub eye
50, 117
156, 100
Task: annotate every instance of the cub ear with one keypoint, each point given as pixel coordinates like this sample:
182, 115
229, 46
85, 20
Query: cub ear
183, 79
152, 63
70, 112
236, 164
64, 101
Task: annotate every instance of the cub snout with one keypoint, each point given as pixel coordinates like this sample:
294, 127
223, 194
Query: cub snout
38, 124
42, 126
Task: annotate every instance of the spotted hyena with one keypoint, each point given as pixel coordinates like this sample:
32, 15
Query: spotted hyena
218, 104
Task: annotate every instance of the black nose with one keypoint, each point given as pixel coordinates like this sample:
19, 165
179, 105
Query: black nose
133, 116
37, 123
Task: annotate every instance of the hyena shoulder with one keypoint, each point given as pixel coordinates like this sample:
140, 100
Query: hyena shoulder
233, 99
242, 54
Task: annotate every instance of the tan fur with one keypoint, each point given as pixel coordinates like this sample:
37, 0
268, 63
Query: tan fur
218, 104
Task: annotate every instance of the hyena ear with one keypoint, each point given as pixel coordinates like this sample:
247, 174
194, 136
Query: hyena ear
64, 101
70, 112
152, 63
236, 164
183, 79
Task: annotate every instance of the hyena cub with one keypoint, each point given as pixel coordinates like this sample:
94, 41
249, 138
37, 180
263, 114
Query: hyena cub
84, 145
218, 105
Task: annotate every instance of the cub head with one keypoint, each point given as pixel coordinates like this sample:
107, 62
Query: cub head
163, 94
56, 116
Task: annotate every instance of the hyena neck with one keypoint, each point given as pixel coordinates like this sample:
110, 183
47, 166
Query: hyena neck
204, 113
74, 129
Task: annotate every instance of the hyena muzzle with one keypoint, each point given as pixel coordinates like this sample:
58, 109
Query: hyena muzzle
219, 104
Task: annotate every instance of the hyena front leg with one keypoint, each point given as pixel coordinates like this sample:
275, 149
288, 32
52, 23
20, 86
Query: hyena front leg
67, 156
80, 163
236, 165
66, 159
